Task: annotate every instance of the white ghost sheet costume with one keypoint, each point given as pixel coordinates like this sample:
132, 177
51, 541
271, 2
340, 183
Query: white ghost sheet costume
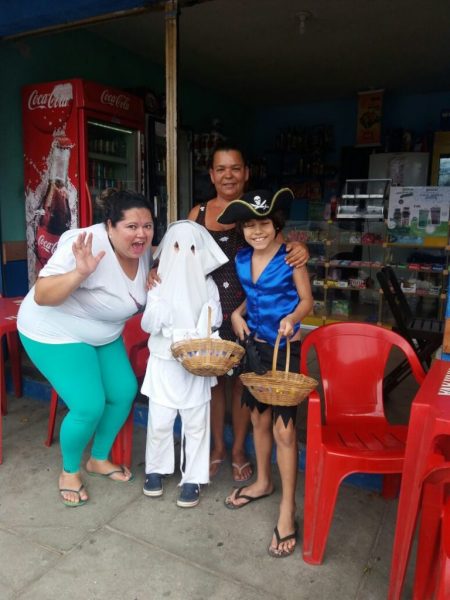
177, 308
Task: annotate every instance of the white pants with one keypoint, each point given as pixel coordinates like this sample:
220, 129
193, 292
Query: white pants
195, 442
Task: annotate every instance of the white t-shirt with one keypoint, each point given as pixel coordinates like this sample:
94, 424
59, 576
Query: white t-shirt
94, 313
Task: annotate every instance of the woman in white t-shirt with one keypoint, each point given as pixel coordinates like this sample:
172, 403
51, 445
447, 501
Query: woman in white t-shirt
70, 324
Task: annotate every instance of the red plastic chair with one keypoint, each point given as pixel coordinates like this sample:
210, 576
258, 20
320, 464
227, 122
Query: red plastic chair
136, 344
52, 418
8, 328
355, 436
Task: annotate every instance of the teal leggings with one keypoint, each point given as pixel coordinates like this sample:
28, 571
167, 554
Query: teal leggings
98, 386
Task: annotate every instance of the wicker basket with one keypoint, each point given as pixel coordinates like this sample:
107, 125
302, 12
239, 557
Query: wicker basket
209, 356
280, 388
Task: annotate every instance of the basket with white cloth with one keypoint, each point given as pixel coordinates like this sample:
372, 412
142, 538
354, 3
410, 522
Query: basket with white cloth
208, 357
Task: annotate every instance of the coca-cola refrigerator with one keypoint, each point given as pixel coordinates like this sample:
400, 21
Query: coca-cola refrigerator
80, 137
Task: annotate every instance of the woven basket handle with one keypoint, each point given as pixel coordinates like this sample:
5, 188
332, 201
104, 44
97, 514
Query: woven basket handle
275, 353
209, 320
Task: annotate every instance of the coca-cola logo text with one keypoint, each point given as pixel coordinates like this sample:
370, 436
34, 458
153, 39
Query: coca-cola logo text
118, 100
46, 245
48, 101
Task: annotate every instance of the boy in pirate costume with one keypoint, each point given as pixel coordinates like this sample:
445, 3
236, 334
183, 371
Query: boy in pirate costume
277, 298
177, 309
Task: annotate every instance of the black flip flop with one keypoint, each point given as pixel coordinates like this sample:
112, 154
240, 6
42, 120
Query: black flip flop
121, 469
249, 499
274, 552
69, 503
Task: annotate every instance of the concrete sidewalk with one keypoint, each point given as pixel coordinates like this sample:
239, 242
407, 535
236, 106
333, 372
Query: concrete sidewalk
124, 546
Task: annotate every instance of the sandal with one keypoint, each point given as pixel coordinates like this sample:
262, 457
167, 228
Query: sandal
121, 469
274, 552
70, 503
229, 501
239, 469
215, 465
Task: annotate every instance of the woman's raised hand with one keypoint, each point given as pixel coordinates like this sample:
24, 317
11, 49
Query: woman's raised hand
86, 262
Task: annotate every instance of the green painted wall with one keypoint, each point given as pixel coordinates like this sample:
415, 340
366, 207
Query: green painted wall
82, 54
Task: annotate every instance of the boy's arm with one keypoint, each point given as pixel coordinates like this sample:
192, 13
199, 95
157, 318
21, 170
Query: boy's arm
238, 322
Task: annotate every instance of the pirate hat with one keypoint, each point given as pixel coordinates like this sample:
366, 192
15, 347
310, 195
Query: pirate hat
257, 204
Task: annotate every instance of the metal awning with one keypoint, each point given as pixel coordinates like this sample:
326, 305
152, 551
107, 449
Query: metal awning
32, 16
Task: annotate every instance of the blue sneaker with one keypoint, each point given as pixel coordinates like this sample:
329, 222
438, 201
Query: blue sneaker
189, 495
153, 485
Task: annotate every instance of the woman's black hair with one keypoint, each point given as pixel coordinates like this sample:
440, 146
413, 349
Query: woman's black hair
278, 219
113, 203
226, 146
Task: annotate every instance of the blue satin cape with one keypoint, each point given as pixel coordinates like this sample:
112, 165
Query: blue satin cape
271, 297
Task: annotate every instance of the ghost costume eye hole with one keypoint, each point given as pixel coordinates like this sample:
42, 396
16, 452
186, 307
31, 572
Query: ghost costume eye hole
176, 247
193, 249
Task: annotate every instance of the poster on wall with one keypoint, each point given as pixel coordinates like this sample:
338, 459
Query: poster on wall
368, 127
419, 215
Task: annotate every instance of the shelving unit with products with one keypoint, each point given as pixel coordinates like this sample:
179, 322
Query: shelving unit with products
345, 256
298, 159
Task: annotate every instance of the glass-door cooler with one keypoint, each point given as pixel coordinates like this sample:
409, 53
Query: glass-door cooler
113, 160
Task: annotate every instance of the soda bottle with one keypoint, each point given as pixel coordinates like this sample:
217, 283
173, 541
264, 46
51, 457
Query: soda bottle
54, 213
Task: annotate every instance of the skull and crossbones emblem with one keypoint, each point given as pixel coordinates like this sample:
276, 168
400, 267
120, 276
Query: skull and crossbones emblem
259, 204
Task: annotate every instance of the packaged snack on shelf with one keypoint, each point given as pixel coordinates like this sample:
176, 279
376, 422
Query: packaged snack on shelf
408, 287
332, 283
434, 290
340, 307
355, 282
355, 238
437, 267
319, 308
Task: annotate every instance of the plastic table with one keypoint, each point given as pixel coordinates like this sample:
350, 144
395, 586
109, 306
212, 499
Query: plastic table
430, 418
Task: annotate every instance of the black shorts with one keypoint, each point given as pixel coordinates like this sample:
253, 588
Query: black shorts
266, 353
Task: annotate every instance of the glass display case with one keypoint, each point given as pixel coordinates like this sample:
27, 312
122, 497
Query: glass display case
344, 259
364, 199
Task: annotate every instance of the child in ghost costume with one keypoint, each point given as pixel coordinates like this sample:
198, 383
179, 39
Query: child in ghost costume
177, 308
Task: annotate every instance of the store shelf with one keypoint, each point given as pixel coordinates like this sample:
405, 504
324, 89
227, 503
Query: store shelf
120, 160
343, 271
